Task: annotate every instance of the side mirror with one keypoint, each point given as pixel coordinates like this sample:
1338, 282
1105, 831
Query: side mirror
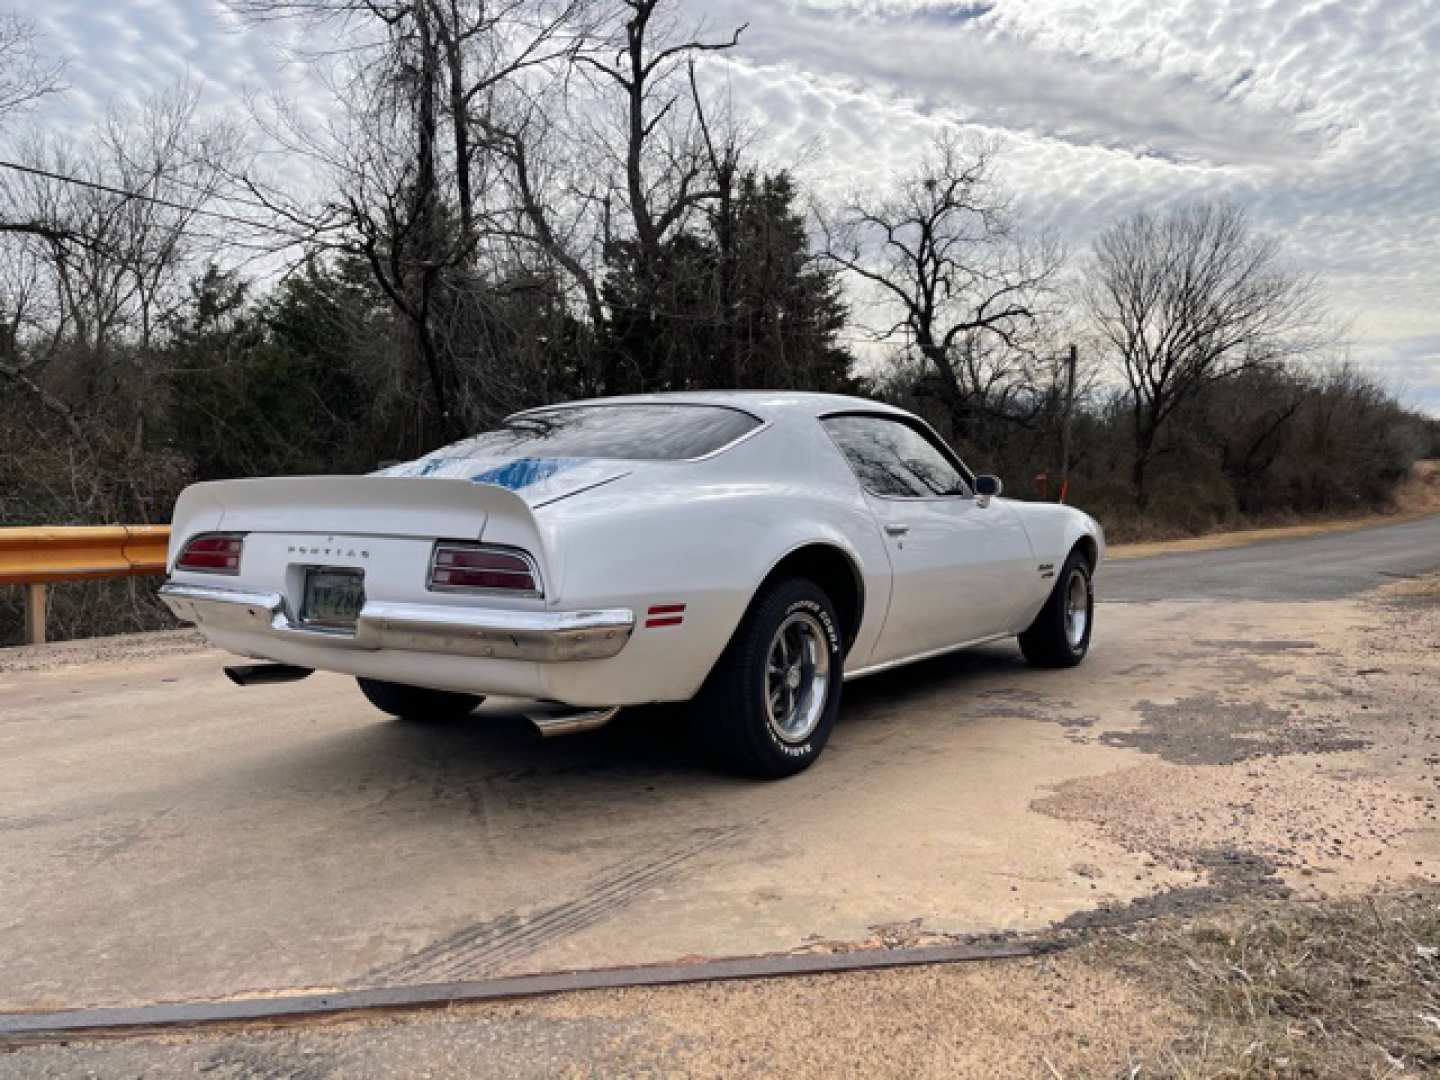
987, 487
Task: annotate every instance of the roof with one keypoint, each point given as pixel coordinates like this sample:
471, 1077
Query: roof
766, 404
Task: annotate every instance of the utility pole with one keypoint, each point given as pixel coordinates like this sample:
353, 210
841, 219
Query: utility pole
1071, 362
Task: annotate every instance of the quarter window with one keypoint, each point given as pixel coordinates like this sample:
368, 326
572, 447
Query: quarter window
893, 459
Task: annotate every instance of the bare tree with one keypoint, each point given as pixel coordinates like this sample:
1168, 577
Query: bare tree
33, 324
952, 272
450, 54
118, 223
26, 75
647, 58
654, 163
410, 171
1187, 299
611, 174
486, 147
560, 207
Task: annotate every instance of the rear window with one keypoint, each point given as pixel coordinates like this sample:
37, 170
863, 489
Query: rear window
634, 432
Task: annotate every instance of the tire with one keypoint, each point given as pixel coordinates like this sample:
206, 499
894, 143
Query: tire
770, 703
417, 702
1060, 636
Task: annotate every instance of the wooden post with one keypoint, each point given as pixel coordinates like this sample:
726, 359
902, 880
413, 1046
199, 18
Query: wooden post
1071, 363
35, 614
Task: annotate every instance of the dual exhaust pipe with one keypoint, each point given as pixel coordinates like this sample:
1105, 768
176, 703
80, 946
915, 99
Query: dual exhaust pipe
549, 724
552, 724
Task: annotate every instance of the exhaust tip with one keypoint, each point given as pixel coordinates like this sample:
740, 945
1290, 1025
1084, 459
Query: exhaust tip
571, 723
258, 674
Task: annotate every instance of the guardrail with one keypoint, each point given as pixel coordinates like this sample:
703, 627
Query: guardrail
36, 556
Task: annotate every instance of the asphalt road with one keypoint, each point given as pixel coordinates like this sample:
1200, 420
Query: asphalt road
165, 835
1321, 567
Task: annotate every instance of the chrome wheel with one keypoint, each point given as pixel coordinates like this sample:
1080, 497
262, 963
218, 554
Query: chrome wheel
797, 677
1077, 608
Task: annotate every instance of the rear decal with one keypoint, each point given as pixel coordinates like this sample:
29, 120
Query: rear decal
522, 472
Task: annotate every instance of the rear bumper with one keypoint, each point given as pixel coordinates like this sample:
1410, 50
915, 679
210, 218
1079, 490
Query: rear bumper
485, 633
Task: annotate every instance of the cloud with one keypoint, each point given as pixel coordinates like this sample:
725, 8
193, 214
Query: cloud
121, 53
978, 70
1409, 368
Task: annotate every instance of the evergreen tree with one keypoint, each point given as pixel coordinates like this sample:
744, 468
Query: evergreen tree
739, 303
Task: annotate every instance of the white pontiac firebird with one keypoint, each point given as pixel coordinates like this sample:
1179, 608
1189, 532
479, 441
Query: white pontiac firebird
749, 551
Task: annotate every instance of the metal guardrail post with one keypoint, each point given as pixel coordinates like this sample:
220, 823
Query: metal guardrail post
35, 613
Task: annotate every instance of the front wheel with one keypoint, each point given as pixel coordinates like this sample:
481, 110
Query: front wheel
1060, 635
769, 706
417, 702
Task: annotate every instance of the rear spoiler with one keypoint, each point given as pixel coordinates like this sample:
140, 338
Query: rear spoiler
431, 507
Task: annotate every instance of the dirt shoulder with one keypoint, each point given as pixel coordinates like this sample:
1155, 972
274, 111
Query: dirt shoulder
87, 652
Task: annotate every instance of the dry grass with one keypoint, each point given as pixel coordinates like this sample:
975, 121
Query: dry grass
1335, 989
1420, 492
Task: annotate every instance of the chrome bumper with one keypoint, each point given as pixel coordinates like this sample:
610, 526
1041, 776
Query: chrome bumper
480, 632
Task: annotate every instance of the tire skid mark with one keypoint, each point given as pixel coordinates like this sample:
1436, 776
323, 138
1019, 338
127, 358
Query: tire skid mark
487, 947
605, 898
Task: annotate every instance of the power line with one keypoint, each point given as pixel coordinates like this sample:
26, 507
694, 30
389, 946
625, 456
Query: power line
109, 189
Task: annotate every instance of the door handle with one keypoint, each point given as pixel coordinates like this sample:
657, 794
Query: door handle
897, 530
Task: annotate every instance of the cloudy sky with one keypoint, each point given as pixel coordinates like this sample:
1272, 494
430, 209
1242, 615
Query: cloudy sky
1322, 116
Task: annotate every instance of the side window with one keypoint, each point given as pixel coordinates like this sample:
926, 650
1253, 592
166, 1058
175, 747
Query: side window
892, 458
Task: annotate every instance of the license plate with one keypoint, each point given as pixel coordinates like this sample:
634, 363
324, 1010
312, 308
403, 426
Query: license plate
333, 597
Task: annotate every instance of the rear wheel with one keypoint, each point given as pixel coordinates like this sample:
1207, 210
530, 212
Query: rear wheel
769, 706
417, 702
1060, 635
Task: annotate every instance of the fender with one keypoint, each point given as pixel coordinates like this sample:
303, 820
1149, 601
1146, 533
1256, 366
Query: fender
1054, 530
848, 555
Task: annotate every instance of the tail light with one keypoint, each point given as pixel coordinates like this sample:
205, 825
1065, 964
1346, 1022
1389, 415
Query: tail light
492, 569
212, 553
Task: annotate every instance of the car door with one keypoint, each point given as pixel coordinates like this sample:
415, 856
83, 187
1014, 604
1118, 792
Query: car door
960, 569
